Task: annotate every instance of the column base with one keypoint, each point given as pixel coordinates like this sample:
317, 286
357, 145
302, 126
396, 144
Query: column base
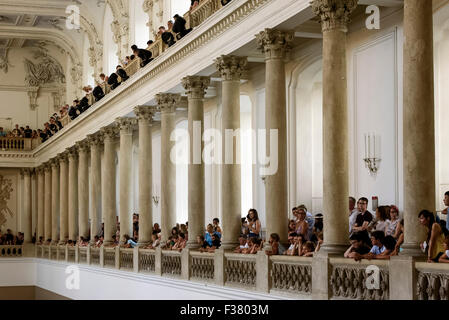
412, 250
333, 249
229, 245
192, 245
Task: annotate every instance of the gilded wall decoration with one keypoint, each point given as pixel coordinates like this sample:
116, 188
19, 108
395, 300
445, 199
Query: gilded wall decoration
5, 194
44, 70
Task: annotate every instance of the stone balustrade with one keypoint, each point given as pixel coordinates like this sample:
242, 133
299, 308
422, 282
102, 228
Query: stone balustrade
16, 144
203, 11
433, 281
356, 280
282, 275
11, 251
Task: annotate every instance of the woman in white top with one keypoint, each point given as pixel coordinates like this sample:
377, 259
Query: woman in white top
382, 223
394, 221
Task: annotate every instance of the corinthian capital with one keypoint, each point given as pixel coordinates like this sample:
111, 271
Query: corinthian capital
95, 139
196, 86
145, 113
167, 102
72, 153
276, 44
147, 6
54, 163
63, 157
125, 124
82, 146
110, 132
231, 67
334, 14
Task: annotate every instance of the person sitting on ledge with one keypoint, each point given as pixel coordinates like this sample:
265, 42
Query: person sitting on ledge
180, 243
254, 245
433, 246
167, 37
358, 247
202, 243
306, 250
113, 81
276, 247
122, 73
83, 242
42, 135
194, 4
216, 224
98, 93
216, 243
70, 243
445, 257
144, 55
377, 239
129, 243
74, 111
291, 251
179, 27
243, 244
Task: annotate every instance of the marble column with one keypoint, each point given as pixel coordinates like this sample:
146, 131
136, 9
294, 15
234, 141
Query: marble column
231, 69
40, 203
55, 200
47, 202
83, 188
419, 126
109, 180
145, 115
63, 197
27, 198
335, 17
276, 45
126, 126
73, 193
167, 103
195, 87
95, 141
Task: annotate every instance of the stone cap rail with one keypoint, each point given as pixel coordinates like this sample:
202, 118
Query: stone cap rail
240, 256
291, 259
195, 253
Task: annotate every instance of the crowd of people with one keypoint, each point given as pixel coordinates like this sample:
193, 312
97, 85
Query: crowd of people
371, 236
9, 238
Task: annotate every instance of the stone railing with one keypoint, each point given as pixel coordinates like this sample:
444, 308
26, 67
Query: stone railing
351, 279
109, 257
171, 263
16, 144
53, 253
147, 261
11, 251
202, 266
61, 253
82, 254
71, 254
291, 274
204, 10
240, 269
432, 281
126, 259
95, 256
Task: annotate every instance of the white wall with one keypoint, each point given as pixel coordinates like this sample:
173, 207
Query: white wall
109, 284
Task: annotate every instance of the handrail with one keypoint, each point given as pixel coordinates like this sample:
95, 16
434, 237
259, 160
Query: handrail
16, 144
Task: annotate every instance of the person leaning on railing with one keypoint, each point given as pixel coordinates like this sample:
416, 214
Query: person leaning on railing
144, 55
167, 37
179, 27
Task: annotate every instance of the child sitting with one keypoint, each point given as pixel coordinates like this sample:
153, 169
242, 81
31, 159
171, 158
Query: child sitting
307, 249
243, 245
445, 257
276, 247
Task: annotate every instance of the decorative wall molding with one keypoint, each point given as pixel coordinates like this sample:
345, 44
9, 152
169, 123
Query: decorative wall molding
46, 70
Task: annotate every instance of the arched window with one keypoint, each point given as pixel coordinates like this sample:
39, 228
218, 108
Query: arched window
179, 7
88, 70
139, 30
110, 48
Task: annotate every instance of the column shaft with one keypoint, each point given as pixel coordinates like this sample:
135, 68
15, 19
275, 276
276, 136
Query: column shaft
109, 199
73, 194
167, 103
196, 87
47, 203
231, 68
125, 170
40, 203
26, 221
95, 191
83, 190
63, 199
145, 117
55, 201
419, 143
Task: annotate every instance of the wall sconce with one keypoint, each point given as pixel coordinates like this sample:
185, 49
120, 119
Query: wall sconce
155, 196
371, 150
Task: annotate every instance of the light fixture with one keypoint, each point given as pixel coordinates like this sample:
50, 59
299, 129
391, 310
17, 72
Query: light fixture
371, 159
